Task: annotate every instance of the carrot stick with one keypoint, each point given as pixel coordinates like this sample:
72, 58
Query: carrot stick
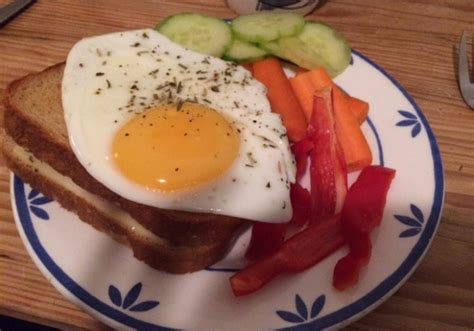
359, 108
281, 96
304, 92
300, 70
320, 79
356, 149
305, 84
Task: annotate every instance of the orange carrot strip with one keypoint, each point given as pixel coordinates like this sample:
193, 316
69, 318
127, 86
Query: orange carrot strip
300, 70
359, 108
304, 92
356, 149
281, 96
306, 84
320, 79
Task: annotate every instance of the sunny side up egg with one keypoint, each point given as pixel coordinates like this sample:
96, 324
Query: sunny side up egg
170, 128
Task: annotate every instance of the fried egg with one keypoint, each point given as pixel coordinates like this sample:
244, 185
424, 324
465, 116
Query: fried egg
171, 128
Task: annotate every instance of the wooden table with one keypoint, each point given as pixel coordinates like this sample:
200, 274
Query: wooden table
413, 40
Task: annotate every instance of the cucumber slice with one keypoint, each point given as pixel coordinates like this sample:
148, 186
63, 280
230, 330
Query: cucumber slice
328, 44
272, 47
203, 34
261, 28
296, 51
241, 51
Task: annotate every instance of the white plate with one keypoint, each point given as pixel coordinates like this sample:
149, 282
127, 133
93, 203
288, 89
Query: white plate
102, 276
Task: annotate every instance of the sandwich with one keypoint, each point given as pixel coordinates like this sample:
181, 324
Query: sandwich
168, 151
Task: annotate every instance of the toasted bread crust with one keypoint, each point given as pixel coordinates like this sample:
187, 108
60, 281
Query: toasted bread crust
34, 119
162, 256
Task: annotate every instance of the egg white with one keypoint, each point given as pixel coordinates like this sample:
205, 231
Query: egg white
97, 100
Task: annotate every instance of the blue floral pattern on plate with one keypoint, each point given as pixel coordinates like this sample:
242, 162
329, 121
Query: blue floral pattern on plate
415, 223
130, 298
410, 120
35, 200
301, 314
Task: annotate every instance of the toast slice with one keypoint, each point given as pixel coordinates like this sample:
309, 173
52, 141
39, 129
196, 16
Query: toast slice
34, 129
105, 216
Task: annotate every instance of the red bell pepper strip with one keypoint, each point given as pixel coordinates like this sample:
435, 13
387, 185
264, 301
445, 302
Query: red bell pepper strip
346, 272
362, 212
365, 202
301, 251
347, 269
301, 151
248, 66
328, 169
266, 238
301, 203
360, 248
300, 197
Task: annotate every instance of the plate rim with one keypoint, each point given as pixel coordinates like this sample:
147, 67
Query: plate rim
343, 316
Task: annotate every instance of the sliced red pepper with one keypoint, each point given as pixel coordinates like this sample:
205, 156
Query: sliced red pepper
365, 202
301, 203
346, 272
328, 169
298, 253
301, 151
248, 66
360, 248
266, 239
362, 212
347, 269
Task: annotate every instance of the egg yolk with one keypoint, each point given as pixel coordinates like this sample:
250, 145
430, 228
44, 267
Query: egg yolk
174, 147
